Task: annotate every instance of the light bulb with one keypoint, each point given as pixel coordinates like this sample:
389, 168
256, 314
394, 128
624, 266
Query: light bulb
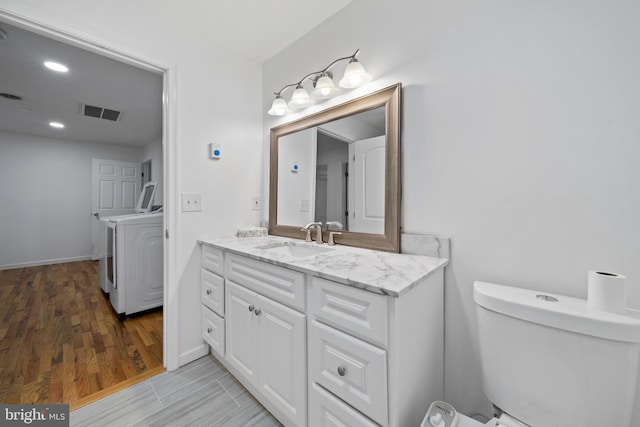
279, 107
300, 98
354, 75
325, 88
56, 67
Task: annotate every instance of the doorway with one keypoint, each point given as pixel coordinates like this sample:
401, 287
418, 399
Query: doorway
169, 330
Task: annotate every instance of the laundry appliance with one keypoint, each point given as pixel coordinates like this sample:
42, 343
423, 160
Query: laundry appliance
144, 205
134, 257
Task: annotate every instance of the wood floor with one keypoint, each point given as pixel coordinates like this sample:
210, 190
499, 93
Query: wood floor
60, 341
201, 393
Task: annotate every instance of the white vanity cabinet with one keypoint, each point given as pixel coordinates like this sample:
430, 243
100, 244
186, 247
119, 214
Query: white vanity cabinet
374, 359
317, 352
266, 340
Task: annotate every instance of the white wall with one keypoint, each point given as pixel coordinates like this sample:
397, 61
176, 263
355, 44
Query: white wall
521, 141
203, 74
46, 197
298, 148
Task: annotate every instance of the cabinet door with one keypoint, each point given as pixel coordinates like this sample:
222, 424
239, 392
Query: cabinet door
240, 327
282, 357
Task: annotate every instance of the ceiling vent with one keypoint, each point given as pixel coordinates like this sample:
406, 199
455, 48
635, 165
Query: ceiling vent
100, 113
10, 96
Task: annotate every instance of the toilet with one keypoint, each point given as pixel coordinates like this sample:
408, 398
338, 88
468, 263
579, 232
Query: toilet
550, 361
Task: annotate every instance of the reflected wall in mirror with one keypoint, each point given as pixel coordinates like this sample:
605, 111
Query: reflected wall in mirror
340, 167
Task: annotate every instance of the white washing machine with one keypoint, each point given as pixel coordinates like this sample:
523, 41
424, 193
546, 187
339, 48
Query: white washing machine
134, 267
143, 206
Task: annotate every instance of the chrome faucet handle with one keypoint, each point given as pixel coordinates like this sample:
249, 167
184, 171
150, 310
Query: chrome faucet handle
331, 240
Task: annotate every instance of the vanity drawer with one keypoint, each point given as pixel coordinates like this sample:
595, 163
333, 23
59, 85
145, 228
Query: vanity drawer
350, 309
278, 283
350, 368
327, 410
212, 260
213, 330
212, 291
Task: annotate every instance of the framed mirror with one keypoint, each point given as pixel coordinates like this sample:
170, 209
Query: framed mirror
341, 167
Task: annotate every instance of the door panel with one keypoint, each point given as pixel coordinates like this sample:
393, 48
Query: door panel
368, 186
240, 330
281, 363
115, 187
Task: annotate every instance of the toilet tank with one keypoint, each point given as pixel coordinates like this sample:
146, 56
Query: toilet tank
551, 361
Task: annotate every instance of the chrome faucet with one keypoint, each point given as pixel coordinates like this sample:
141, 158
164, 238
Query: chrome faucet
318, 227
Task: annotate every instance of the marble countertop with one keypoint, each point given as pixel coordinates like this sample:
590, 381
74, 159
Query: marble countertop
375, 271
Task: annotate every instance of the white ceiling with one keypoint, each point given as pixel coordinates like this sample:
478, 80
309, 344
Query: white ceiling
92, 79
96, 80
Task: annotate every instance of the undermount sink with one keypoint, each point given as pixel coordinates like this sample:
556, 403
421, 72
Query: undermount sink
293, 249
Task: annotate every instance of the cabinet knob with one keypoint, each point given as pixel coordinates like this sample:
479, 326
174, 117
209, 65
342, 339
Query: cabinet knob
342, 371
209, 330
208, 291
251, 307
257, 312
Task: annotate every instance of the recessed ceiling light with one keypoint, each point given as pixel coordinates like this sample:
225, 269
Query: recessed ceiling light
56, 125
56, 66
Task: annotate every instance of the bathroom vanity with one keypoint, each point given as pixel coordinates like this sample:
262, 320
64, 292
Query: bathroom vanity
321, 333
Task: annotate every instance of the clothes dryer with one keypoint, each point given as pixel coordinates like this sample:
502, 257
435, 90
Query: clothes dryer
135, 267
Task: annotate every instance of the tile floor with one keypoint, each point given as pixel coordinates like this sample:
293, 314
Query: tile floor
202, 393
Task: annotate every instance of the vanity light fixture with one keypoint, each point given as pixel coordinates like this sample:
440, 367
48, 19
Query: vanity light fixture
279, 107
300, 98
324, 88
57, 125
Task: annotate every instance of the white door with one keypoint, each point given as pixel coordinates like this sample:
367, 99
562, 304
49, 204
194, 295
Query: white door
115, 187
240, 330
282, 355
367, 190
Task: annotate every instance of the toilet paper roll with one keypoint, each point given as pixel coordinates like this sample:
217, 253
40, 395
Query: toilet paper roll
607, 291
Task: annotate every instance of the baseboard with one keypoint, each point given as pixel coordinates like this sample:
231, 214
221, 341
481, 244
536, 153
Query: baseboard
193, 354
44, 262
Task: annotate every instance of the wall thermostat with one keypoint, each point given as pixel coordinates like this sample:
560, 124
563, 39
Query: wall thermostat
295, 167
215, 150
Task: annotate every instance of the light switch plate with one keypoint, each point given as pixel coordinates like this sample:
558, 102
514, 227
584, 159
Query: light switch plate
256, 203
191, 202
305, 205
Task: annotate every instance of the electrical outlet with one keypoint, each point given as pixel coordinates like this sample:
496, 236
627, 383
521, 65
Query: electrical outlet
304, 205
191, 202
256, 203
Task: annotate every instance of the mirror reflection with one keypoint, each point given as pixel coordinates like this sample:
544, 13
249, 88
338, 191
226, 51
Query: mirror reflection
341, 167
334, 173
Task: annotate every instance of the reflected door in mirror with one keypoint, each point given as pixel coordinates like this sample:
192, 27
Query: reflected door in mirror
367, 209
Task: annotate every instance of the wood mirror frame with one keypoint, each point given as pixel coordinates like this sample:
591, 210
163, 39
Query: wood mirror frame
389, 241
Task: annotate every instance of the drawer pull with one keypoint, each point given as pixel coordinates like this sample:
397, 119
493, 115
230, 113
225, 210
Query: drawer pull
257, 312
342, 371
209, 330
251, 307
208, 291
